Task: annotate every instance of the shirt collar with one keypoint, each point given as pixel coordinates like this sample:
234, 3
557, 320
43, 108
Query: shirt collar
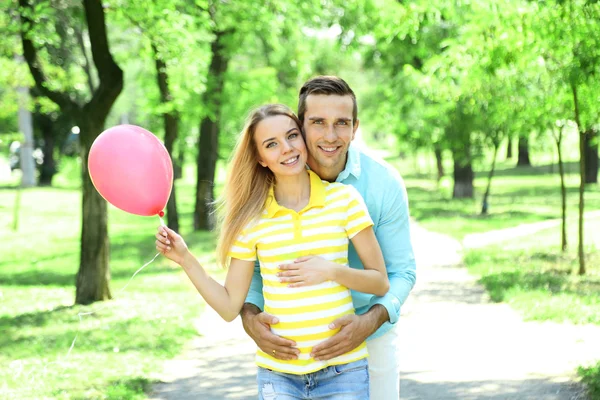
352, 164
317, 196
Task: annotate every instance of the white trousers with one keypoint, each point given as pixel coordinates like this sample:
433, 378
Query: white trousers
384, 366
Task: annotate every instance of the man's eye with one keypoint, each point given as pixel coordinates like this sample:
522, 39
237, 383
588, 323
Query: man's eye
343, 122
318, 122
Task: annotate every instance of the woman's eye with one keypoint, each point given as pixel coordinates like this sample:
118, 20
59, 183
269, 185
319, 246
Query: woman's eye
293, 136
270, 145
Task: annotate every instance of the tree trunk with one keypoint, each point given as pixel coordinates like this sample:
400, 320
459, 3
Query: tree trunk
509, 150
591, 156
439, 161
580, 129
47, 130
484, 203
463, 178
171, 125
563, 189
94, 274
208, 144
523, 156
178, 170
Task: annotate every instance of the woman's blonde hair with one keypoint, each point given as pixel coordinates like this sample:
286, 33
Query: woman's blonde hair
248, 183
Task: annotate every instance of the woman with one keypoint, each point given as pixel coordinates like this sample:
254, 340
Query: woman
298, 227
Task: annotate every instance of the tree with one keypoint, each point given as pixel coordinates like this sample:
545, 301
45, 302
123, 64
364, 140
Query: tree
93, 276
235, 29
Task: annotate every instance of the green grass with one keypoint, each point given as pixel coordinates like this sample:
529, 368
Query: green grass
120, 348
530, 273
518, 196
590, 376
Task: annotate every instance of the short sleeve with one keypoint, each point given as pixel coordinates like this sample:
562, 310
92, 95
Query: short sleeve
244, 247
357, 216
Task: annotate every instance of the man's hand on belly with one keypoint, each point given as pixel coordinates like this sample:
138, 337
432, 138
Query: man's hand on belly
257, 325
354, 329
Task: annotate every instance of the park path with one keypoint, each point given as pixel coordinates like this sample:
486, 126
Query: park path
455, 344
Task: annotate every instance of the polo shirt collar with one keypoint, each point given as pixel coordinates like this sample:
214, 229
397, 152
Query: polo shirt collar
317, 196
352, 164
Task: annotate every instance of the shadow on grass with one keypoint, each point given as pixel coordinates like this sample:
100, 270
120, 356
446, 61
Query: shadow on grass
133, 388
499, 283
131, 334
133, 249
552, 280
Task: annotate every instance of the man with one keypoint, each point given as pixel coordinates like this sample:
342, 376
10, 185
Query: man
328, 112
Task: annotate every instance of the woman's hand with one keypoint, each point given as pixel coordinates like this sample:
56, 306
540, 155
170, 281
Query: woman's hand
307, 271
171, 244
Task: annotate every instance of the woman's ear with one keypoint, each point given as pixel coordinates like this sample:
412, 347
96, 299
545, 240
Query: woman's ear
261, 162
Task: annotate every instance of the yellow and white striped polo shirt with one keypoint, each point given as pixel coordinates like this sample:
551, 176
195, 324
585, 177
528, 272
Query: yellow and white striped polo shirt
333, 215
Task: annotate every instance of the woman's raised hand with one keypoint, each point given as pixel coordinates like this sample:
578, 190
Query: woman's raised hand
171, 244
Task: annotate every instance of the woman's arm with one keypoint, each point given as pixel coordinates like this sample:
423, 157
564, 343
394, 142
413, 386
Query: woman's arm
311, 270
226, 300
373, 279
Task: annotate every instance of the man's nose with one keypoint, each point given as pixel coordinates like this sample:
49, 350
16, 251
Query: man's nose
330, 134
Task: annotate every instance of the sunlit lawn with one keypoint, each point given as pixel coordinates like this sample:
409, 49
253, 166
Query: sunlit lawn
536, 278
530, 273
518, 196
121, 348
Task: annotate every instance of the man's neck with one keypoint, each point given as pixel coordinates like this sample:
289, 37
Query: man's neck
328, 174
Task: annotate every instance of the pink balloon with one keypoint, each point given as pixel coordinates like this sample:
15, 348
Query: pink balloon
131, 169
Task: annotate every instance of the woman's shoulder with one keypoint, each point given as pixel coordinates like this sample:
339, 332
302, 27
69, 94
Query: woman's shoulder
338, 189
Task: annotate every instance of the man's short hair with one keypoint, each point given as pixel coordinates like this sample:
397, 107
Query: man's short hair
327, 85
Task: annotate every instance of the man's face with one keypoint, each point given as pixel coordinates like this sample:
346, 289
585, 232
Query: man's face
329, 130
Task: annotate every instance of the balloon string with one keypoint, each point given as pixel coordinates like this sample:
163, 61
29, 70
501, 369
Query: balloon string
101, 308
162, 222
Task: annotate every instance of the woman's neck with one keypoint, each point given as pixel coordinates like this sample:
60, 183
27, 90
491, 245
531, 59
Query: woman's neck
293, 192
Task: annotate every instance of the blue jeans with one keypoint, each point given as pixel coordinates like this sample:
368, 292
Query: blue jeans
339, 382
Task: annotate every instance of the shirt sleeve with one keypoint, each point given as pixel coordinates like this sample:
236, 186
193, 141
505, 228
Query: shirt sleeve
244, 247
393, 235
357, 215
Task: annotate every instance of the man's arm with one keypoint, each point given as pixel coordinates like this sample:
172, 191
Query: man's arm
393, 235
255, 292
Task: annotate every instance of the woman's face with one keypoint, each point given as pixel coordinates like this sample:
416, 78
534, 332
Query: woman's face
280, 145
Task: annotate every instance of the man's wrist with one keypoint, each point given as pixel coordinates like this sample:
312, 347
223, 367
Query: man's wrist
249, 310
376, 316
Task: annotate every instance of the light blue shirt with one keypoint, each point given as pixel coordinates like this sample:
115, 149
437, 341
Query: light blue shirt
384, 192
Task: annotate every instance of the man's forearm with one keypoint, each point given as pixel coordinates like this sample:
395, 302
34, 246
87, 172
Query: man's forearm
376, 316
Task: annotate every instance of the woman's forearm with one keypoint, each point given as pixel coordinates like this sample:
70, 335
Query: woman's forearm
213, 292
366, 281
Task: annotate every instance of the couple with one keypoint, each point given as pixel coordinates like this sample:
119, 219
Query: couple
298, 224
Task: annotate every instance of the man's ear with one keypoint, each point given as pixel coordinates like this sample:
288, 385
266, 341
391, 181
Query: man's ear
354, 128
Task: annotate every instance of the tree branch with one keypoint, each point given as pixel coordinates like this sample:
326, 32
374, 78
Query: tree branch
86, 64
30, 55
109, 74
